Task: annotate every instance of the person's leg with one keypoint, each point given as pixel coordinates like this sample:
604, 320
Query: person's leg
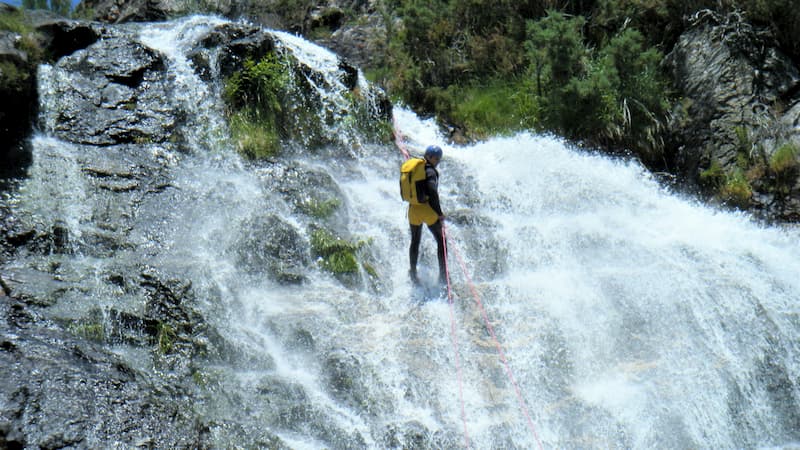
413, 251
436, 229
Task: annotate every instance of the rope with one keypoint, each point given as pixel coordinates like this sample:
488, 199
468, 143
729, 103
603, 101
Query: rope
398, 139
500, 351
454, 337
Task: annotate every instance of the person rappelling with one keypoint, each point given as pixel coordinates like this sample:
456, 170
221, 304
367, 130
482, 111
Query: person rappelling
419, 186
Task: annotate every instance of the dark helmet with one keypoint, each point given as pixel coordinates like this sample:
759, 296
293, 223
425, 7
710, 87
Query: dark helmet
433, 150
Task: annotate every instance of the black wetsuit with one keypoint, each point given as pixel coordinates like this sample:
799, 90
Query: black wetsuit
432, 192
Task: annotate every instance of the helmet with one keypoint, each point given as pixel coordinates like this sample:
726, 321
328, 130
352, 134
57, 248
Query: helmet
433, 150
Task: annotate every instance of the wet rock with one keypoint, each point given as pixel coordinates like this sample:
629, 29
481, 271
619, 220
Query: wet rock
58, 391
112, 93
361, 41
270, 245
120, 11
309, 191
62, 37
33, 286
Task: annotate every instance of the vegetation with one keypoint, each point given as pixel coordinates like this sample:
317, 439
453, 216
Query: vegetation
320, 209
14, 21
784, 165
254, 97
337, 255
89, 330
166, 338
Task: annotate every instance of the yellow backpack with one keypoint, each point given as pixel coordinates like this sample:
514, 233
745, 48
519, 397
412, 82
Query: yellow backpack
412, 181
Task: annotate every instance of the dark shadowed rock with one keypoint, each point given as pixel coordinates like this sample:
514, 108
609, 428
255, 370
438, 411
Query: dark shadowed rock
19, 105
62, 37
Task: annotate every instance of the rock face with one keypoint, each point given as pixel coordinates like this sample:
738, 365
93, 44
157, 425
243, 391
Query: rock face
104, 339
111, 94
60, 391
741, 105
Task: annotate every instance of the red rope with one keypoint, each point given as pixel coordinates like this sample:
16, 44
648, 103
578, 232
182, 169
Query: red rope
398, 139
498, 346
454, 337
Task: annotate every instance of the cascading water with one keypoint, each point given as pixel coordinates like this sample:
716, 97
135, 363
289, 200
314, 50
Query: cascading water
631, 318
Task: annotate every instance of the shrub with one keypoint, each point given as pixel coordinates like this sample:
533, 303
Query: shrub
320, 209
338, 256
737, 190
15, 22
259, 84
254, 139
486, 109
784, 160
784, 165
254, 98
713, 177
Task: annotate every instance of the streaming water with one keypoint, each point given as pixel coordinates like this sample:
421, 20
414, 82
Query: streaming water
631, 317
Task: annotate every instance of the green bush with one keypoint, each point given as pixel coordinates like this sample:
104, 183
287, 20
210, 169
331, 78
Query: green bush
737, 190
254, 97
320, 209
253, 138
258, 85
15, 22
713, 177
784, 165
615, 96
784, 159
487, 109
338, 256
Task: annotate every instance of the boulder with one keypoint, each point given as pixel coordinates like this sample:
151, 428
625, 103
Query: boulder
62, 37
271, 245
111, 93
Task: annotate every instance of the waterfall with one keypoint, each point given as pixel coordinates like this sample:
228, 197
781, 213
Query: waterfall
631, 317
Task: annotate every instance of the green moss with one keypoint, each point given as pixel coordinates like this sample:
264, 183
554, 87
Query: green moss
337, 255
166, 338
321, 209
784, 160
737, 190
254, 139
91, 331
